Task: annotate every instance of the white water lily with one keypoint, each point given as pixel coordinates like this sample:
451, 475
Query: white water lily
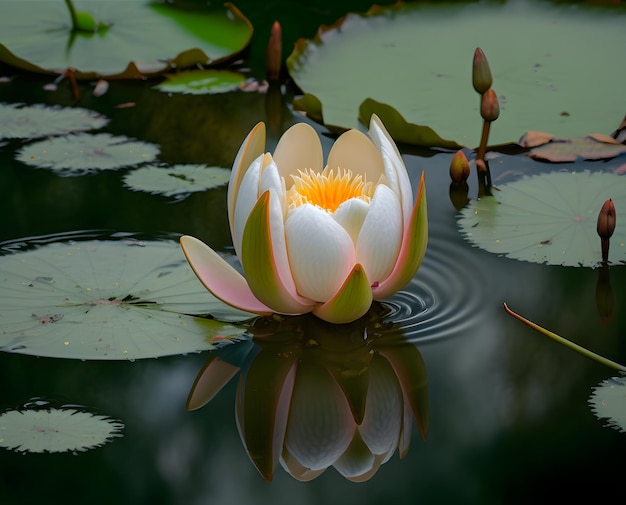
314, 238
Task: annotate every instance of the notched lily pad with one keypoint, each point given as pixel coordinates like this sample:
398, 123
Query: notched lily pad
83, 153
408, 57
155, 36
548, 218
109, 300
19, 121
202, 82
545, 146
608, 402
45, 429
177, 181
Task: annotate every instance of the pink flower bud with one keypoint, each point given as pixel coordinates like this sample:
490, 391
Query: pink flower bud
459, 168
274, 52
489, 106
606, 220
481, 73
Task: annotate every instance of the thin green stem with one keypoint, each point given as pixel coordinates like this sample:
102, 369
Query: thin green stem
70, 7
581, 350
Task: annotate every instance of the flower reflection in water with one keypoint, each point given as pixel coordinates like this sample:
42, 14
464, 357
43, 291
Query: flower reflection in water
313, 394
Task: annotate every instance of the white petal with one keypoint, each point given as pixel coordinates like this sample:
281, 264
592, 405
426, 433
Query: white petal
379, 242
355, 151
270, 179
395, 170
321, 252
298, 148
244, 201
351, 214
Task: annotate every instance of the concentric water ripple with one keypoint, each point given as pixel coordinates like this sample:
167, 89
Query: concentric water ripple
443, 300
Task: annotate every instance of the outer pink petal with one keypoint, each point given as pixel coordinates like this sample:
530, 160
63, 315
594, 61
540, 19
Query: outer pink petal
251, 148
220, 278
412, 251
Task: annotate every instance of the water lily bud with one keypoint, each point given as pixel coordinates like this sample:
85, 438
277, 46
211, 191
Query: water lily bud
489, 106
459, 168
274, 52
606, 220
481, 73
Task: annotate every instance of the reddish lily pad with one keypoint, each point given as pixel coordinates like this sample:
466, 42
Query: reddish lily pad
592, 147
137, 38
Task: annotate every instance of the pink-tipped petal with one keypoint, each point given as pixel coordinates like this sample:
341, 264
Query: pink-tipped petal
215, 374
220, 278
352, 301
299, 148
354, 151
412, 251
259, 263
251, 148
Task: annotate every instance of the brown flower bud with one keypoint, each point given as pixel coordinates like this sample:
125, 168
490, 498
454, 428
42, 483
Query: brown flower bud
481, 73
606, 220
489, 106
274, 52
459, 168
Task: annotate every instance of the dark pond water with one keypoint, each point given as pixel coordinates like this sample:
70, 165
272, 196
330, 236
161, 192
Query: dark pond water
505, 409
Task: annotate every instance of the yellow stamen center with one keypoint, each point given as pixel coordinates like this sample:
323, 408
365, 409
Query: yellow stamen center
328, 189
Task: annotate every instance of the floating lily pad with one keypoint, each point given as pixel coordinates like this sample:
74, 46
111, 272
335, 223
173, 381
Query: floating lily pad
41, 430
549, 218
135, 37
568, 150
409, 57
178, 181
202, 82
608, 402
107, 299
84, 152
19, 121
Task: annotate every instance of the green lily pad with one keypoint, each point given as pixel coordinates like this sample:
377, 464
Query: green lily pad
109, 300
136, 38
549, 218
202, 82
608, 402
85, 152
178, 181
39, 429
19, 121
410, 57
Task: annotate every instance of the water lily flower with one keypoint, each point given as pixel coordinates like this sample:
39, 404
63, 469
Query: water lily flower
326, 239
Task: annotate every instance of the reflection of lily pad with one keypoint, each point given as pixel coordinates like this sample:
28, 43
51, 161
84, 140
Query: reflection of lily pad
142, 37
18, 121
65, 429
549, 218
608, 401
178, 180
409, 57
202, 82
109, 299
84, 152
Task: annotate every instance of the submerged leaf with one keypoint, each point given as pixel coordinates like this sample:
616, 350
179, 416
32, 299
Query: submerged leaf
109, 299
404, 56
202, 82
133, 38
178, 180
41, 430
548, 218
19, 121
81, 153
